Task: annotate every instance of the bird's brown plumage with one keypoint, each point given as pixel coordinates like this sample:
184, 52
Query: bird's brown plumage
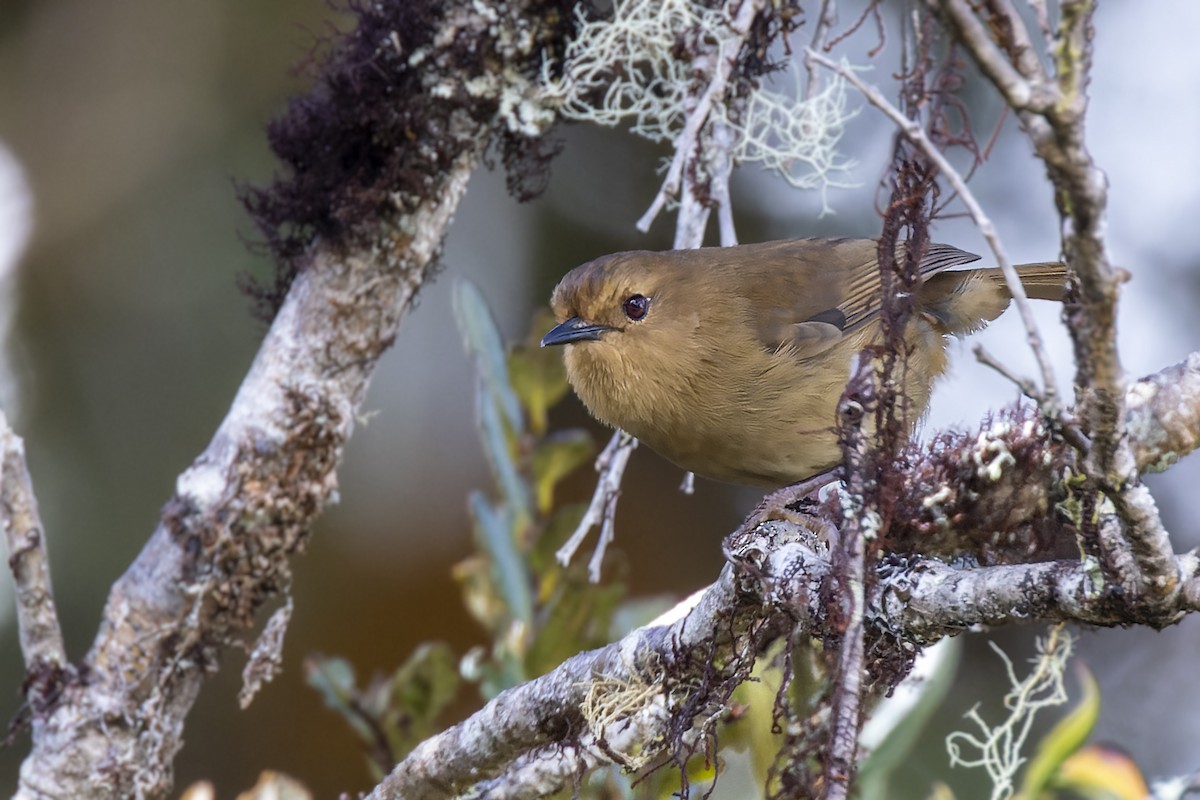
735, 370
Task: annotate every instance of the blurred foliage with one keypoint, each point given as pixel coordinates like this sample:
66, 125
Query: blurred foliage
878, 772
534, 612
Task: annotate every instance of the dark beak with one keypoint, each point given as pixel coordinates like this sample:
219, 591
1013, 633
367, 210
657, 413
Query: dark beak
573, 330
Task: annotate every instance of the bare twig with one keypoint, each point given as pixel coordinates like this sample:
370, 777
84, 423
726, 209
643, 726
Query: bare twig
913, 131
721, 165
1027, 387
1135, 547
610, 465
1042, 15
1019, 44
1021, 92
826, 18
691, 219
37, 619
849, 565
688, 140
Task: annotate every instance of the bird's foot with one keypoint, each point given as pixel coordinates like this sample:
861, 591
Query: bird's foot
777, 504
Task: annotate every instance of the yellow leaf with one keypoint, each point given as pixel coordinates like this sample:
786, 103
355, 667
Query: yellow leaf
1064, 739
1101, 771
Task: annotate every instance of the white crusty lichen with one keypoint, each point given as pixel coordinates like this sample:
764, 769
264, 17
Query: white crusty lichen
648, 64
990, 453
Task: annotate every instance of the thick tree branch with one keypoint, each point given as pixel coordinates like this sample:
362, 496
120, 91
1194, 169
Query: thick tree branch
537, 738
239, 512
536, 727
244, 507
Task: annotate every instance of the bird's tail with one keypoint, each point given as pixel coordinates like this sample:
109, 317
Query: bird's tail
1045, 280
963, 301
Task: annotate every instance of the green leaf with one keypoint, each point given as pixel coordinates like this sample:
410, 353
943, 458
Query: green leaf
484, 343
556, 457
578, 618
558, 529
499, 450
494, 528
1066, 737
419, 691
537, 374
912, 704
333, 678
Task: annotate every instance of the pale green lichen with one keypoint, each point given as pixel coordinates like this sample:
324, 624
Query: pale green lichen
628, 70
998, 748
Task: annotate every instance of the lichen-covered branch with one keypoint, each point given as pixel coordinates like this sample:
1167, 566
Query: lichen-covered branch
1127, 535
357, 222
238, 513
25, 542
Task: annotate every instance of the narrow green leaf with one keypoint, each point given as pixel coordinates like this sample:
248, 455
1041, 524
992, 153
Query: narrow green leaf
910, 708
494, 529
542, 559
497, 447
483, 341
427, 682
579, 619
1066, 737
418, 692
538, 375
557, 456
333, 679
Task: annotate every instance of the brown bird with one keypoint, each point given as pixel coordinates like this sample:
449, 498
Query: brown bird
730, 361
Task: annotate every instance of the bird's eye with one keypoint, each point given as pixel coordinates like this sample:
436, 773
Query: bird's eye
636, 306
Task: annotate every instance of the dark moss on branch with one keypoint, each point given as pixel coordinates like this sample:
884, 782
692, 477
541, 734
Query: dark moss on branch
395, 103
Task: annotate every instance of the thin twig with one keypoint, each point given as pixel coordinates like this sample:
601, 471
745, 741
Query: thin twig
848, 571
1022, 53
1026, 386
721, 163
1020, 92
826, 18
1042, 15
37, 619
916, 134
688, 139
610, 465
691, 219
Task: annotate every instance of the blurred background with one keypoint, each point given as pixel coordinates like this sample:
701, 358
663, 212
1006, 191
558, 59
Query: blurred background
124, 130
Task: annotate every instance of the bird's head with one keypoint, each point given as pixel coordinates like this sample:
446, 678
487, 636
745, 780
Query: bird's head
632, 325
617, 300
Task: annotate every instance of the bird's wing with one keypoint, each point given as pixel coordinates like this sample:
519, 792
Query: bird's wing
809, 293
